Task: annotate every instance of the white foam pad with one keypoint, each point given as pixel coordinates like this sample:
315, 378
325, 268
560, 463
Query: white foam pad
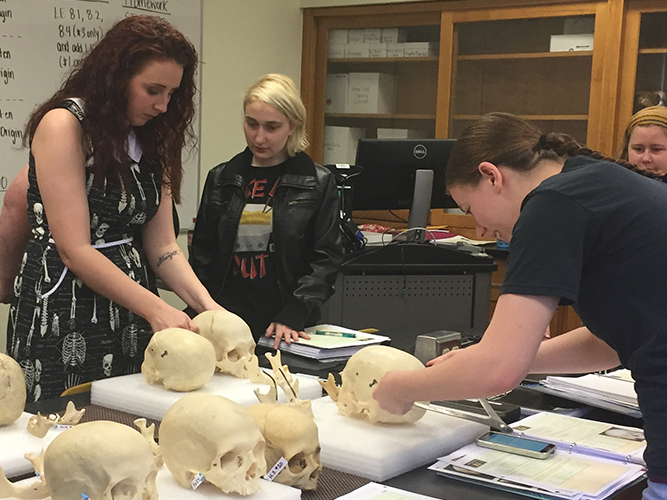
132, 394
169, 489
382, 451
16, 441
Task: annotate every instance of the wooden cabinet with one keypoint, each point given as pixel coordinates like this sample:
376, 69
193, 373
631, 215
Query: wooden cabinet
517, 61
495, 55
644, 60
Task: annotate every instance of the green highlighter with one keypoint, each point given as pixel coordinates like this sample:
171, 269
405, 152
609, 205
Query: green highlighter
336, 334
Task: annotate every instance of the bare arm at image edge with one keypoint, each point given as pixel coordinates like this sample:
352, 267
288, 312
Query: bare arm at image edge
14, 233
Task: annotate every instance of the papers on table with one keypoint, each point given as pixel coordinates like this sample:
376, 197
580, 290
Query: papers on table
583, 436
613, 391
335, 343
562, 475
375, 491
593, 460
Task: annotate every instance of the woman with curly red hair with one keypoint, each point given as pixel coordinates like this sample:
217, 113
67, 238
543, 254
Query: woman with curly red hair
104, 166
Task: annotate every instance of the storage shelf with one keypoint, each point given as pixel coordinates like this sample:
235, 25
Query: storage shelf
532, 117
660, 50
525, 55
376, 60
402, 116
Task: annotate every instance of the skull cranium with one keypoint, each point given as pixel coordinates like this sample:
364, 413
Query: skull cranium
362, 372
233, 342
290, 431
101, 459
214, 436
12, 390
178, 359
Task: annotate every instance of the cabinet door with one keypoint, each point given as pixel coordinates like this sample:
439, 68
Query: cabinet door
534, 62
644, 70
379, 79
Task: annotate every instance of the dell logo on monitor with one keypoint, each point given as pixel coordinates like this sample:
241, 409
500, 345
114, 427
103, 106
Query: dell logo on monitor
419, 151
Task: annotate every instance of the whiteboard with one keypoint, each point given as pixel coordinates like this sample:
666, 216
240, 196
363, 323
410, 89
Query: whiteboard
41, 40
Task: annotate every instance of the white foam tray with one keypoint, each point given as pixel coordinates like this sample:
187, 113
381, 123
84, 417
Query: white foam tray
169, 489
16, 441
381, 451
132, 394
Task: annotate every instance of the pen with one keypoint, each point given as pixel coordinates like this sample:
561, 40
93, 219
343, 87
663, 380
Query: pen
336, 334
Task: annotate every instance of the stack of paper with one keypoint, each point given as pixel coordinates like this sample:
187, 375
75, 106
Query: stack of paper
590, 437
328, 342
562, 475
593, 460
613, 391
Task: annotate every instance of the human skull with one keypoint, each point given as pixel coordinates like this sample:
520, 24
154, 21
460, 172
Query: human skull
362, 372
100, 459
290, 432
12, 390
211, 435
178, 359
232, 339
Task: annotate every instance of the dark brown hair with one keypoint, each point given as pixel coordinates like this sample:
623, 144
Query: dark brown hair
102, 81
508, 140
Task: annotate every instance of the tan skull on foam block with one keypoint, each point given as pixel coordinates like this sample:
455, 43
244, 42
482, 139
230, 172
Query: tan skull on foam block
233, 342
104, 460
290, 432
214, 436
178, 359
362, 372
12, 390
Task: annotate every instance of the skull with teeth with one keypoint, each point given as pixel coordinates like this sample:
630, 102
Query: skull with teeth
290, 431
214, 436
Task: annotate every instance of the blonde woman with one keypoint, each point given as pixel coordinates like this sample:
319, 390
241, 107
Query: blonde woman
267, 243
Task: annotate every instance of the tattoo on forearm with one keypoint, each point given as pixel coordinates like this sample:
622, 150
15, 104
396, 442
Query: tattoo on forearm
168, 256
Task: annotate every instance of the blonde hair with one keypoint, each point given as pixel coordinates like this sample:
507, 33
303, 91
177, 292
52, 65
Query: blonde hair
653, 115
280, 92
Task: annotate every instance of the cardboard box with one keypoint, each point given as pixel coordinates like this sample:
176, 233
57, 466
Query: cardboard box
373, 35
356, 36
336, 50
568, 43
340, 144
395, 49
419, 49
394, 35
337, 93
377, 50
373, 93
337, 36
400, 133
357, 50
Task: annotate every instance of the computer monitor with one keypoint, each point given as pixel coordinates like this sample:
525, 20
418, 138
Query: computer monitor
389, 169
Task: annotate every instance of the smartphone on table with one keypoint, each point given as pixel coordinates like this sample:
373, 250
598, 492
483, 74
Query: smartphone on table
517, 445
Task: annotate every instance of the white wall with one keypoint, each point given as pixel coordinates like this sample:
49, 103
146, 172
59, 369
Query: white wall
242, 41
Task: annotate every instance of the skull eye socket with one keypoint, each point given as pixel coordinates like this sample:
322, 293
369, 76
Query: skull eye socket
297, 463
233, 355
231, 461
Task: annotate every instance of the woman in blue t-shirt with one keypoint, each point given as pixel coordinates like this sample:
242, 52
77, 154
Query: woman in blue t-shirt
583, 231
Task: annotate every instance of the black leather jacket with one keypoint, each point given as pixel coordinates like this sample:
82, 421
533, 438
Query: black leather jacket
305, 232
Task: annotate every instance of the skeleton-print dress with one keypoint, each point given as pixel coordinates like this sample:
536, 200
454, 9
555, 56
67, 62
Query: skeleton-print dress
59, 330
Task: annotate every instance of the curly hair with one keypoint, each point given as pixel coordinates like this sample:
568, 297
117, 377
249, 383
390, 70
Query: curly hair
102, 81
508, 140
